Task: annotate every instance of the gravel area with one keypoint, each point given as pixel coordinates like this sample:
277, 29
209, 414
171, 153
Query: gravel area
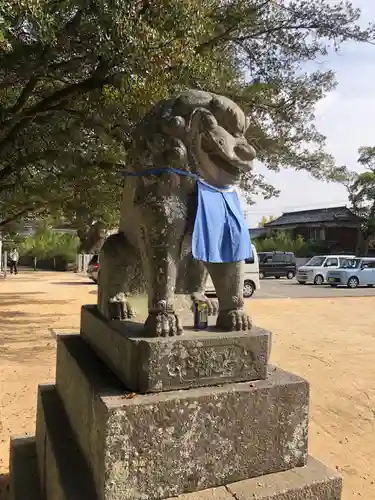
329, 341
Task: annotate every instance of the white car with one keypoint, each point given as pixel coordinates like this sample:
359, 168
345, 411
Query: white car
316, 269
353, 273
251, 281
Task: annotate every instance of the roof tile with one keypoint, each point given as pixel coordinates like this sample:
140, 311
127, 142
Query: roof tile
333, 214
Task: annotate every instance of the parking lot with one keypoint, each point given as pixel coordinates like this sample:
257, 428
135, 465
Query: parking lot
271, 288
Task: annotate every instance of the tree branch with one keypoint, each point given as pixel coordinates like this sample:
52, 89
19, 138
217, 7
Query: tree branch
19, 214
24, 95
275, 29
69, 29
94, 81
223, 36
5, 187
18, 163
9, 137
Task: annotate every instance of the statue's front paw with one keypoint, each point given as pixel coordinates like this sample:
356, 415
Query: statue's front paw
234, 321
163, 324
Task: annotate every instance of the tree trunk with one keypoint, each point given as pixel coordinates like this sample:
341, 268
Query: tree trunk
92, 239
362, 244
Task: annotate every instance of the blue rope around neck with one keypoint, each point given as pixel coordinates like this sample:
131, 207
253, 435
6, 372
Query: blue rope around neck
155, 171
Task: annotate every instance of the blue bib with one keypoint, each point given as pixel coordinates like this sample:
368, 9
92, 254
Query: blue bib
220, 231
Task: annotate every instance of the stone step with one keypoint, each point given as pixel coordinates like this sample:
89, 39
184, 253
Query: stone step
153, 446
63, 471
24, 480
194, 359
312, 482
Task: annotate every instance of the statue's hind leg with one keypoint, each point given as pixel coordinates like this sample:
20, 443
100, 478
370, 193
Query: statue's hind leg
120, 275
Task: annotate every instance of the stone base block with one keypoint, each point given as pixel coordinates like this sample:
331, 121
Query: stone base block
63, 471
312, 482
194, 359
24, 480
153, 446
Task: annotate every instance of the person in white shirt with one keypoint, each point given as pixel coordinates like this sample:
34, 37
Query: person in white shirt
13, 257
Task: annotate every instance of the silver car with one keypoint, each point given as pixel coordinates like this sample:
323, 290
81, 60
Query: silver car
353, 273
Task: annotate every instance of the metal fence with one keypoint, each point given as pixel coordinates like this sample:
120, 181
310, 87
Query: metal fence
82, 262
4, 262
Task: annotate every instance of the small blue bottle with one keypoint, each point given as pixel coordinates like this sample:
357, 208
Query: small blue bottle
200, 315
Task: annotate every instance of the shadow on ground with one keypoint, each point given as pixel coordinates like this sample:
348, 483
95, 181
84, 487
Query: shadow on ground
21, 294
72, 283
25, 333
29, 354
26, 302
26, 323
12, 314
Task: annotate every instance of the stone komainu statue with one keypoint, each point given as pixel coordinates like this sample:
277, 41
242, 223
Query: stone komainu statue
186, 150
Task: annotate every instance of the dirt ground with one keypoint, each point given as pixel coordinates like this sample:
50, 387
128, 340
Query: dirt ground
331, 342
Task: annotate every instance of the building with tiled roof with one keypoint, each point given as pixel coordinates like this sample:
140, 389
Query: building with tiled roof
337, 227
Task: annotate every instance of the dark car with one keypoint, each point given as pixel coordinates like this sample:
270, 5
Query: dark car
277, 264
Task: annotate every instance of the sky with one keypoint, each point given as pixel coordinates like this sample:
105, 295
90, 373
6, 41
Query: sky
346, 116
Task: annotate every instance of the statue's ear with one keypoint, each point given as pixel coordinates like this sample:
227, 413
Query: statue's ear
201, 119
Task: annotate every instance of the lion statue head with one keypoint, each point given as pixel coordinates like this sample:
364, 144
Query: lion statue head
199, 132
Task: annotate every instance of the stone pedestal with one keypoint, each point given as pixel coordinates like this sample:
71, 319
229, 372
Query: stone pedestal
241, 434
195, 359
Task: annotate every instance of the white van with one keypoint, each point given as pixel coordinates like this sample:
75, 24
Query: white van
316, 269
251, 281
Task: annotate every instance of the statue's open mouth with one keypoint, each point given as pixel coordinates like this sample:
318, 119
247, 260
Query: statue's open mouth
224, 164
228, 162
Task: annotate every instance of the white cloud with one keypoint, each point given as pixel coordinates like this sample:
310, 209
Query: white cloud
326, 103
